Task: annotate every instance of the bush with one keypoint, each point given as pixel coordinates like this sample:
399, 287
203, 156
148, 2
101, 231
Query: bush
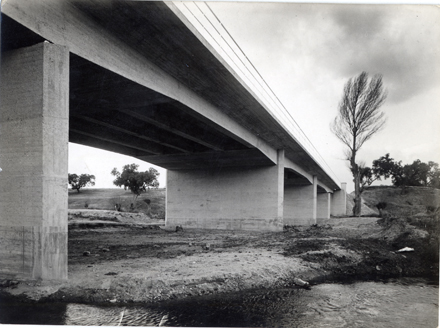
381, 205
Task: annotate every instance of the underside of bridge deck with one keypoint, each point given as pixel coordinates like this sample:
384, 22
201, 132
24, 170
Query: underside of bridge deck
130, 77
111, 112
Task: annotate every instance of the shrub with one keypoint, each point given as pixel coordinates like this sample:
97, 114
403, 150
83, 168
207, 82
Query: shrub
381, 205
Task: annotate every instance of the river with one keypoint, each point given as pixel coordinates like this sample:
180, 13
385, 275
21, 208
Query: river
396, 303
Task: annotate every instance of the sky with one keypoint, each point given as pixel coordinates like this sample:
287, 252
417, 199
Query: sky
307, 52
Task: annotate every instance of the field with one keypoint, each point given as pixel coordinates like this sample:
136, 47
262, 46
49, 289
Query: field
106, 199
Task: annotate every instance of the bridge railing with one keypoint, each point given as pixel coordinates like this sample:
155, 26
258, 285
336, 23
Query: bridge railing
204, 20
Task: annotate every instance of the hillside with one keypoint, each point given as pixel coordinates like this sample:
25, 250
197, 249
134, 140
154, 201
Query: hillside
419, 201
401, 202
365, 210
106, 199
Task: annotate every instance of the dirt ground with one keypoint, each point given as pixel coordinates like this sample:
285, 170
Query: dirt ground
122, 258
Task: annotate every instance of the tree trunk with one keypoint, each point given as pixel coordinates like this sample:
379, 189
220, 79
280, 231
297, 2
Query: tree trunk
355, 170
357, 196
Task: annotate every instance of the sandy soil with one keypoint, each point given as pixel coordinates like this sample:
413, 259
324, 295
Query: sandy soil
123, 258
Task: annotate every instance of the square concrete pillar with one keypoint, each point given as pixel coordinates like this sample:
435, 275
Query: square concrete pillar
235, 198
339, 201
323, 205
34, 146
300, 204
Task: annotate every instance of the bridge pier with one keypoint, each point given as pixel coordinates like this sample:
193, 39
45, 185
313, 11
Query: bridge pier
324, 205
34, 146
301, 204
234, 198
338, 201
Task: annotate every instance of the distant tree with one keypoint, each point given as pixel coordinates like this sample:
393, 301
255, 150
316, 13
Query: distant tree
416, 174
434, 175
80, 181
367, 177
359, 118
385, 166
134, 180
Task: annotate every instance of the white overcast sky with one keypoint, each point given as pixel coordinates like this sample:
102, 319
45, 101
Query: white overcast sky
306, 53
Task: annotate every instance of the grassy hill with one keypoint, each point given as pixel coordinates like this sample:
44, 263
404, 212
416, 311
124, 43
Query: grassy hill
366, 210
400, 202
105, 199
411, 201
404, 202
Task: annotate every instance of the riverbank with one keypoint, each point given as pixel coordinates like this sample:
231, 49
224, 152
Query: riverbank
129, 259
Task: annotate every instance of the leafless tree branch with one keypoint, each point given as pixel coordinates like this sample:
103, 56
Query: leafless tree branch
359, 118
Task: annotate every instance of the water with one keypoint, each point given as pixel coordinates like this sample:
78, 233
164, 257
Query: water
398, 303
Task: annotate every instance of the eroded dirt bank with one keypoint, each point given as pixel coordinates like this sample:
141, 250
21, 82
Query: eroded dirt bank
143, 263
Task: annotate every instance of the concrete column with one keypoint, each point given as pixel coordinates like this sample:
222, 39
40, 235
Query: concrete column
315, 199
323, 210
339, 201
300, 204
34, 145
236, 198
280, 184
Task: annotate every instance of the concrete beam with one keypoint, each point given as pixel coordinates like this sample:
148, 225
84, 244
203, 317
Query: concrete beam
86, 38
155, 143
288, 164
193, 133
90, 141
213, 159
34, 145
324, 188
132, 144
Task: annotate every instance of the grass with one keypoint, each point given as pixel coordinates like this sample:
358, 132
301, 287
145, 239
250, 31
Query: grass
105, 199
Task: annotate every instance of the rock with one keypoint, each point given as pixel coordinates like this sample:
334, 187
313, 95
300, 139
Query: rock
163, 321
86, 253
300, 282
405, 249
105, 250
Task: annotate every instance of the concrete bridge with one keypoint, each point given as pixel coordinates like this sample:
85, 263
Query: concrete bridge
136, 78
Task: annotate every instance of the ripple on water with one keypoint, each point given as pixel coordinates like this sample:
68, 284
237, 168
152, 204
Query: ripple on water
86, 315
399, 303
372, 304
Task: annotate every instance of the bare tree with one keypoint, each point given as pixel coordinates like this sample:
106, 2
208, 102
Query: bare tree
359, 118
